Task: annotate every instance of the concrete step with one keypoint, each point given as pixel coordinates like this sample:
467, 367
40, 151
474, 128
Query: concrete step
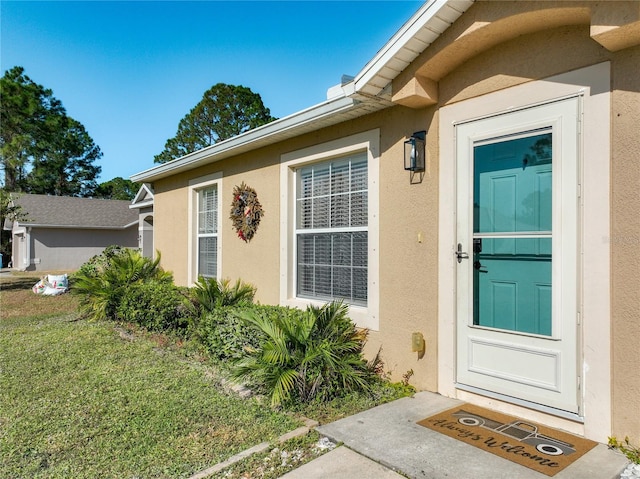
389, 435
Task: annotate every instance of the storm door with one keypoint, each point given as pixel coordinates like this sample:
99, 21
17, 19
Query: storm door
517, 180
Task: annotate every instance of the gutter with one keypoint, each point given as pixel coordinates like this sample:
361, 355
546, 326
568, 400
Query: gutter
79, 227
137, 206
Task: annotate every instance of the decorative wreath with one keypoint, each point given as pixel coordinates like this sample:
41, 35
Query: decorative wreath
246, 211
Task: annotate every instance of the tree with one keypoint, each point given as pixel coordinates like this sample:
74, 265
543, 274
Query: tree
26, 112
66, 168
117, 189
224, 111
8, 208
42, 149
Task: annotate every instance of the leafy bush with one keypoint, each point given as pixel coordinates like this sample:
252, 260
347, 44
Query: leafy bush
102, 284
156, 305
227, 337
95, 265
317, 354
212, 293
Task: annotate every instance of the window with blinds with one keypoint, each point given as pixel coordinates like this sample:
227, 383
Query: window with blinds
208, 231
331, 230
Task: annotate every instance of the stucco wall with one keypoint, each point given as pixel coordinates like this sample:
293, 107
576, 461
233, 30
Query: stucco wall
409, 206
256, 262
625, 243
408, 250
170, 226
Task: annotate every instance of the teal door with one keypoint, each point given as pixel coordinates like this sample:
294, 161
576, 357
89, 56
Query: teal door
517, 256
512, 234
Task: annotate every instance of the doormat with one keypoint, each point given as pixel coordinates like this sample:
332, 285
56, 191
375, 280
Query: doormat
531, 445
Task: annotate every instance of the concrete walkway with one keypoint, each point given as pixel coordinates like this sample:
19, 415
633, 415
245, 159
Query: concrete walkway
386, 443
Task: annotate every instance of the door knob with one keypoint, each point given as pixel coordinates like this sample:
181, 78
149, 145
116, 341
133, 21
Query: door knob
461, 254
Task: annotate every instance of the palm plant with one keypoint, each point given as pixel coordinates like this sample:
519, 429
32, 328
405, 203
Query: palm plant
315, 354
101, 290
212, 293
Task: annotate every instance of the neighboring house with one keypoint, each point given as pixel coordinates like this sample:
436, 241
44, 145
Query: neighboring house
513, 252
62, 232
143, 202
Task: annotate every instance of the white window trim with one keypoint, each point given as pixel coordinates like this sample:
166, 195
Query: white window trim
195, 185
369, 141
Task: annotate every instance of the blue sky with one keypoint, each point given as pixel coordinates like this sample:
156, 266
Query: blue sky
129, 71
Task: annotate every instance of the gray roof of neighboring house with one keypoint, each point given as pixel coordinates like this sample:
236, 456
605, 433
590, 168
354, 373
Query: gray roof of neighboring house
70, 212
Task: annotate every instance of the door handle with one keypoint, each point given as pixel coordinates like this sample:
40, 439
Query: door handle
461, 254
478, 266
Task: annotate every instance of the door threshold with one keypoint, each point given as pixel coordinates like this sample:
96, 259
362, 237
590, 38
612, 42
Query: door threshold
572, 416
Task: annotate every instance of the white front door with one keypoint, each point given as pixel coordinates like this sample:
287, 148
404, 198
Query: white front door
517, 254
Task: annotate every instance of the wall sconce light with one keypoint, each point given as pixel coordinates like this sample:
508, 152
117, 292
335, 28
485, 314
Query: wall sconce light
414, 151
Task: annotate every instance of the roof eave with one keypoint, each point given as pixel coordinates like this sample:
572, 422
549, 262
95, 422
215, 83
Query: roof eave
142, 204
75, 227
286, 126
371, 88
415, 36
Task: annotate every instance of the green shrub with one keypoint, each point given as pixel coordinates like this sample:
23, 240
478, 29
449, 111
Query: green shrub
95, 265
226, 336
156, 305
102, 284
317, 354
212, 293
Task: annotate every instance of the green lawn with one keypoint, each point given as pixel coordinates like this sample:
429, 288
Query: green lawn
77, 400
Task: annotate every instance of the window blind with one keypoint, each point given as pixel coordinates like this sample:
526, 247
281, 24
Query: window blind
331, 230
208, 231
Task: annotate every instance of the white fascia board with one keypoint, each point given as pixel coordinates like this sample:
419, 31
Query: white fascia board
142, 192
247, 140
141, 204
426, 14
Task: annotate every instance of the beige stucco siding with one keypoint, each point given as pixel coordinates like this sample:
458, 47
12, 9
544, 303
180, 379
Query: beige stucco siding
480, 54
408, 234
531, 57
170, 227
408, 250
256, 262
625, 243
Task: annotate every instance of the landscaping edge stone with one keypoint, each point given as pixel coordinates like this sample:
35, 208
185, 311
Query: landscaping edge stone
309, 424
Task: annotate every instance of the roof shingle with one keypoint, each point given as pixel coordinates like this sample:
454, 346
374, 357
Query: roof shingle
67, 211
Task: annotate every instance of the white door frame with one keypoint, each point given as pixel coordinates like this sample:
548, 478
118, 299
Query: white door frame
492, 359
593, 83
